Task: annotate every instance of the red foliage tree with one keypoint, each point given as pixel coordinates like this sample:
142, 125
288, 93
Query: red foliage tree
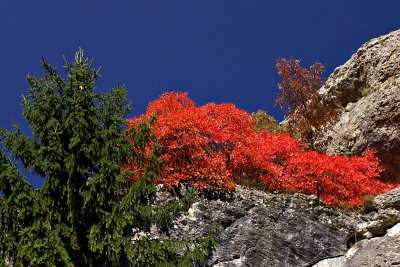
197, 141
334, 178
218, 144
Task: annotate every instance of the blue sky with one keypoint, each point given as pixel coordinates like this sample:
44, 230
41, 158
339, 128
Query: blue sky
218, 51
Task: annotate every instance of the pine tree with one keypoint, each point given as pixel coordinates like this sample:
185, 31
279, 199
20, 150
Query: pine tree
85, 212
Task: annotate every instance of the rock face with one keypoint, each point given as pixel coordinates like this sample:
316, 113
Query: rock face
366, 91
377, 251
279, 230
390, 199
270, 229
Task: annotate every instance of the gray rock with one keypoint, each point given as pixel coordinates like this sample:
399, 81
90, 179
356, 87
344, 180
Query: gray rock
376, 222
366, 92
271, 229
373, 66
379, 252
380, 233
268, 229
386, 200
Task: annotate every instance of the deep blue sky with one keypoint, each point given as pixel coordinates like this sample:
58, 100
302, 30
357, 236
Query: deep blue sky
217, 50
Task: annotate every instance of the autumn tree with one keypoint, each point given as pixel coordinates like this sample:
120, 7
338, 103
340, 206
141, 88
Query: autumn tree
198, 142
336, 179
86, 210
306, 114
218, 145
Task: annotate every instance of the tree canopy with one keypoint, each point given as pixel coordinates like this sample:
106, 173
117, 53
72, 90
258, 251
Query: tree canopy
87, 209
215, 146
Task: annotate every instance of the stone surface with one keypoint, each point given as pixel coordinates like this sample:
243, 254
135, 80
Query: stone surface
373, 66
270, 229
267, 229
281, 230
366, 91
382, 246
389, 199
379, 252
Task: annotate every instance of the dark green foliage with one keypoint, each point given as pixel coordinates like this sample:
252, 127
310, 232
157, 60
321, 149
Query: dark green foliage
85, 212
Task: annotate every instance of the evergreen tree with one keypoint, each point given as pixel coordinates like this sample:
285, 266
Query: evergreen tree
85, 212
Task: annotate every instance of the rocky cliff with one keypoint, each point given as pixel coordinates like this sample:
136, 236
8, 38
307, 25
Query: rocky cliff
266, 229
381, 250
271, 229
366, 92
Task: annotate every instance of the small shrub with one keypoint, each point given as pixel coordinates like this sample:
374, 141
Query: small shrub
263, 121
365, 91
368, 202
